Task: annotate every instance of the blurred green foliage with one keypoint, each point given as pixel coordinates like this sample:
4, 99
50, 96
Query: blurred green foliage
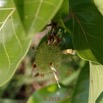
23, 84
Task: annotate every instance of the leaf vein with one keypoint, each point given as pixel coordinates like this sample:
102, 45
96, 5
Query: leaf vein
94, 37
6, 50
15, 34
38, 10
7, 9
7, 19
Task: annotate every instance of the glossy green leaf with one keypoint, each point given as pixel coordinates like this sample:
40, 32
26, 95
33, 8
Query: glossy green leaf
87, 30
48, 94
96, 83
16, 20
81, 91
37, 13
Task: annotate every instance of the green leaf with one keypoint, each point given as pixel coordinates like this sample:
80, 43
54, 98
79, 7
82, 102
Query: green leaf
96, 83
81, 91
13, 43
48, 94
87, 30
18, 19
37, 13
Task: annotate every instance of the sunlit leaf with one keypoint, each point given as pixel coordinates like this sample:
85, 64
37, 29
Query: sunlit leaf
13, 43
96, 82
99, 4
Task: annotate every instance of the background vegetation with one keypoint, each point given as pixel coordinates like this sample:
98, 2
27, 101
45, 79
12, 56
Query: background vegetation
80, 27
